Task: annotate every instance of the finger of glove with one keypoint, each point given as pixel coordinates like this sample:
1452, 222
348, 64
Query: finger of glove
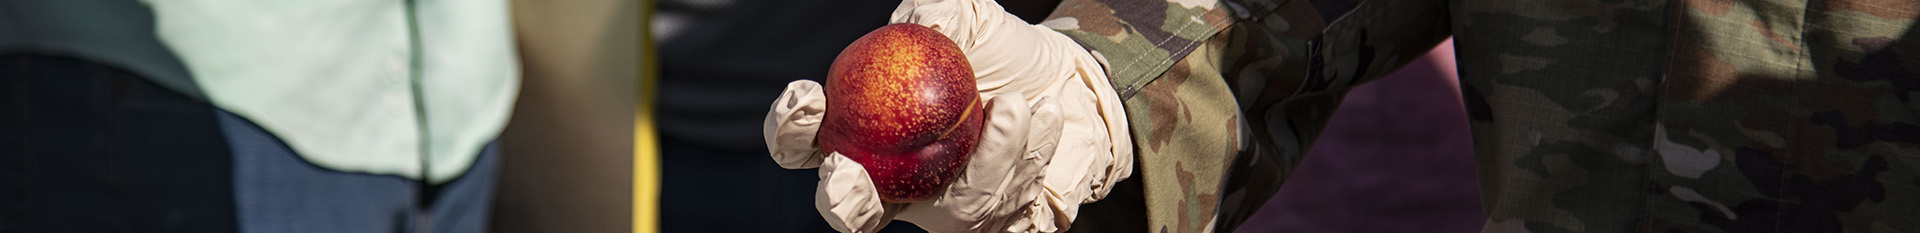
973, 201
970, 23
791, 125
846, 197
1043, 143
1043, 139
957, 19
1084, 164
1006, 53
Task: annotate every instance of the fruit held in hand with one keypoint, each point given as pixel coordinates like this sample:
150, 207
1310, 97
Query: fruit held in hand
901, 102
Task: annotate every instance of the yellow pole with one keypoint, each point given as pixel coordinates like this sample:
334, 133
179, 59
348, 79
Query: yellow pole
646, 144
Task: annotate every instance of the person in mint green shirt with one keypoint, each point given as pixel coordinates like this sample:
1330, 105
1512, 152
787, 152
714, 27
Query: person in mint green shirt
248, 116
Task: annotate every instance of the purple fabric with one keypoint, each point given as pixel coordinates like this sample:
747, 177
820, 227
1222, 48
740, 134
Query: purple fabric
1396, 158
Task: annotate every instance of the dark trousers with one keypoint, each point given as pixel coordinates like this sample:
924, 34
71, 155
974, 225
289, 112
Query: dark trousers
86, 147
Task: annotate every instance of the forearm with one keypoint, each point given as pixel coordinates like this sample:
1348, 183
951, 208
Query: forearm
1233, 109
1291, 66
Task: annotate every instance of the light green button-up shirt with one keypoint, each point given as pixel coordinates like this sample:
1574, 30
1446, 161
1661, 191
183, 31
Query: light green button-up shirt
413, 88
409, 88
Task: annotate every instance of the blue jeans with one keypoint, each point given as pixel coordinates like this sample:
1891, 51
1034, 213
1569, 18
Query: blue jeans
276, 191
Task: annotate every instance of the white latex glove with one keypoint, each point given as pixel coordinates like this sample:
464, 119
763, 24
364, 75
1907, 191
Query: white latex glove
1048, 97
1010, 56
1001, 188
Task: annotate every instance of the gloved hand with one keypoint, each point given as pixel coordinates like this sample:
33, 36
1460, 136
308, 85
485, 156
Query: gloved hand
1056, 135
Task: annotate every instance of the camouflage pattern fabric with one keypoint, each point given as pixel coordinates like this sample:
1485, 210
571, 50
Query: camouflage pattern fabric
1185, 128
1588, 115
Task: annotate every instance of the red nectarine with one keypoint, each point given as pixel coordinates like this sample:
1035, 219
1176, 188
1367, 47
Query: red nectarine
901, 102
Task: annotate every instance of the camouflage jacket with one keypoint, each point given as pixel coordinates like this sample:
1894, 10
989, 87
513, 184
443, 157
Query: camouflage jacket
1587, 115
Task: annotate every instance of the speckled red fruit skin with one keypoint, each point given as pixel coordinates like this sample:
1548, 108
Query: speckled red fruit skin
901, 102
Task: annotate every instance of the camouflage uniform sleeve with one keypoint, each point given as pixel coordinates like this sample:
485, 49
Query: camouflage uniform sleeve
1289, 65
1185, 126
1223, 98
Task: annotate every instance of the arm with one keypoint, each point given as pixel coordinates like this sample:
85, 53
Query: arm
1197, 90
1287, 104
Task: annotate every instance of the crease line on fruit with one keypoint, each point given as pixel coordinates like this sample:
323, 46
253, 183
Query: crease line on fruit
963, 118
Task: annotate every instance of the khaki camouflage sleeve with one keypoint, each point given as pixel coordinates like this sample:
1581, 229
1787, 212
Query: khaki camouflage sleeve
1199, 77
1288, 66
1161, 59
1138, 40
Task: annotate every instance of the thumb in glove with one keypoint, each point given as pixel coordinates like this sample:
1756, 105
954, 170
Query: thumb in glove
791, 124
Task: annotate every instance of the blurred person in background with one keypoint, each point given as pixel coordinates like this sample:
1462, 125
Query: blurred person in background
1589, 116
244, 116
568, 154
